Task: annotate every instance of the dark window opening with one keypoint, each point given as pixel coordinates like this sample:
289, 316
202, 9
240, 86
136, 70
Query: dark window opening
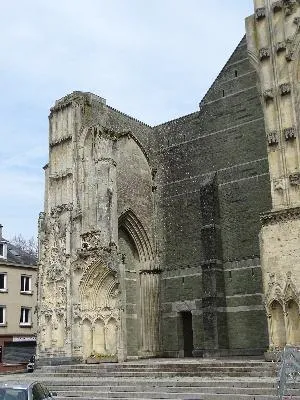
25, 283
2, 315
2, 281
25, 315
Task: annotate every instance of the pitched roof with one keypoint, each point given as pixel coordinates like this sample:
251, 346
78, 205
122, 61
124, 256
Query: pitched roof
18, 256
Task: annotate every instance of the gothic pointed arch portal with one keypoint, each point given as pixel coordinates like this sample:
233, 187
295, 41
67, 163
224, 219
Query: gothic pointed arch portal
99, 299
141, 287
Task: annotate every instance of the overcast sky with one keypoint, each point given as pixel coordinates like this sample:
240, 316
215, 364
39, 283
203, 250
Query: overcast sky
153, 60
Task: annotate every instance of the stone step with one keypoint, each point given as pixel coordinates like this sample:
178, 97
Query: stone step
144, 367
162, 395
129, 364
167, 369
146, 371
157, 384
207, 373
136, 389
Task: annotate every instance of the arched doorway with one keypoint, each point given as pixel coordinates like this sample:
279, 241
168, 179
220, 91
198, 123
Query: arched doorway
141, 287
132, 266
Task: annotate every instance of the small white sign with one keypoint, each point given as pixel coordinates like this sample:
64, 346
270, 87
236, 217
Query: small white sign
24, 338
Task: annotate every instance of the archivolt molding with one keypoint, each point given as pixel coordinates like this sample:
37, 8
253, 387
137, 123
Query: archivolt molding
98, 130
129, 221
98, 286
282, 290
99, 294
99, 281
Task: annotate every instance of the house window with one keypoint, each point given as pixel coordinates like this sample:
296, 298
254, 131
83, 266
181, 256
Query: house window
25, 317
25, 284
2, 315
3, 250
3, 282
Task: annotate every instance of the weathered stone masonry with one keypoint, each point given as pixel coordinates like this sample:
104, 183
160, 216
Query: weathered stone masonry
149, 237
273, 37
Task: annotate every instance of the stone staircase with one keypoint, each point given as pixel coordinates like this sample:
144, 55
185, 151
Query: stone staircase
163, 379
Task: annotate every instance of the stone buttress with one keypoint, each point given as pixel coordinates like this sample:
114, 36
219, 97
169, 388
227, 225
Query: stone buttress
273, 36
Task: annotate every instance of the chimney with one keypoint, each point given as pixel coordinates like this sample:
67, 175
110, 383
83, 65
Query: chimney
1, 226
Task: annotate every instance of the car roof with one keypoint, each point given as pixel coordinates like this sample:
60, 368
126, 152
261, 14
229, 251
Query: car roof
16, 384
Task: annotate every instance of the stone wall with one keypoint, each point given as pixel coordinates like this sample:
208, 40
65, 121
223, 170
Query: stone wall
226, 138
131, 209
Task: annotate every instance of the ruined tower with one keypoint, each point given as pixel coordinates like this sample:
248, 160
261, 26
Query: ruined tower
94, 299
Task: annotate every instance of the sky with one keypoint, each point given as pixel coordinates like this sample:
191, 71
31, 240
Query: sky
153, 60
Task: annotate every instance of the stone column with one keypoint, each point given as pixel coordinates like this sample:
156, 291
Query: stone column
122, 342
273, 38
149, 298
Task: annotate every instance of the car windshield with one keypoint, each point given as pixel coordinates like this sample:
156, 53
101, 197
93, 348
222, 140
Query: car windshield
13, 394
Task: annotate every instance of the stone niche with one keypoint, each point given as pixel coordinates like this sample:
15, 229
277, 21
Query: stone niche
280, 252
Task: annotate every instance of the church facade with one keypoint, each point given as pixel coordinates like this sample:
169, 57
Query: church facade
169, 240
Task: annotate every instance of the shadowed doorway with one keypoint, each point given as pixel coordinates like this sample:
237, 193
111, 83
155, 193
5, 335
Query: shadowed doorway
187, 327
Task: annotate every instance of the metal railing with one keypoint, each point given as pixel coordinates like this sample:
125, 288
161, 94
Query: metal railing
289, 371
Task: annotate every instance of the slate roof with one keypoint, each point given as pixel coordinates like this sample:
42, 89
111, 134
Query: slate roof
17, 256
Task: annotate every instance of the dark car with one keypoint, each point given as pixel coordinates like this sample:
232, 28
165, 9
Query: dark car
24, 391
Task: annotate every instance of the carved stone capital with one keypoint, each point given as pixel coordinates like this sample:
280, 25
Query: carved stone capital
289, 6
292, 44
280, 46
268, 94
58, 210
91, 240
260, 13
60, 311
76, 311
295, 179
289, 133
279, 184
272, 138
285, 88
264, 53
